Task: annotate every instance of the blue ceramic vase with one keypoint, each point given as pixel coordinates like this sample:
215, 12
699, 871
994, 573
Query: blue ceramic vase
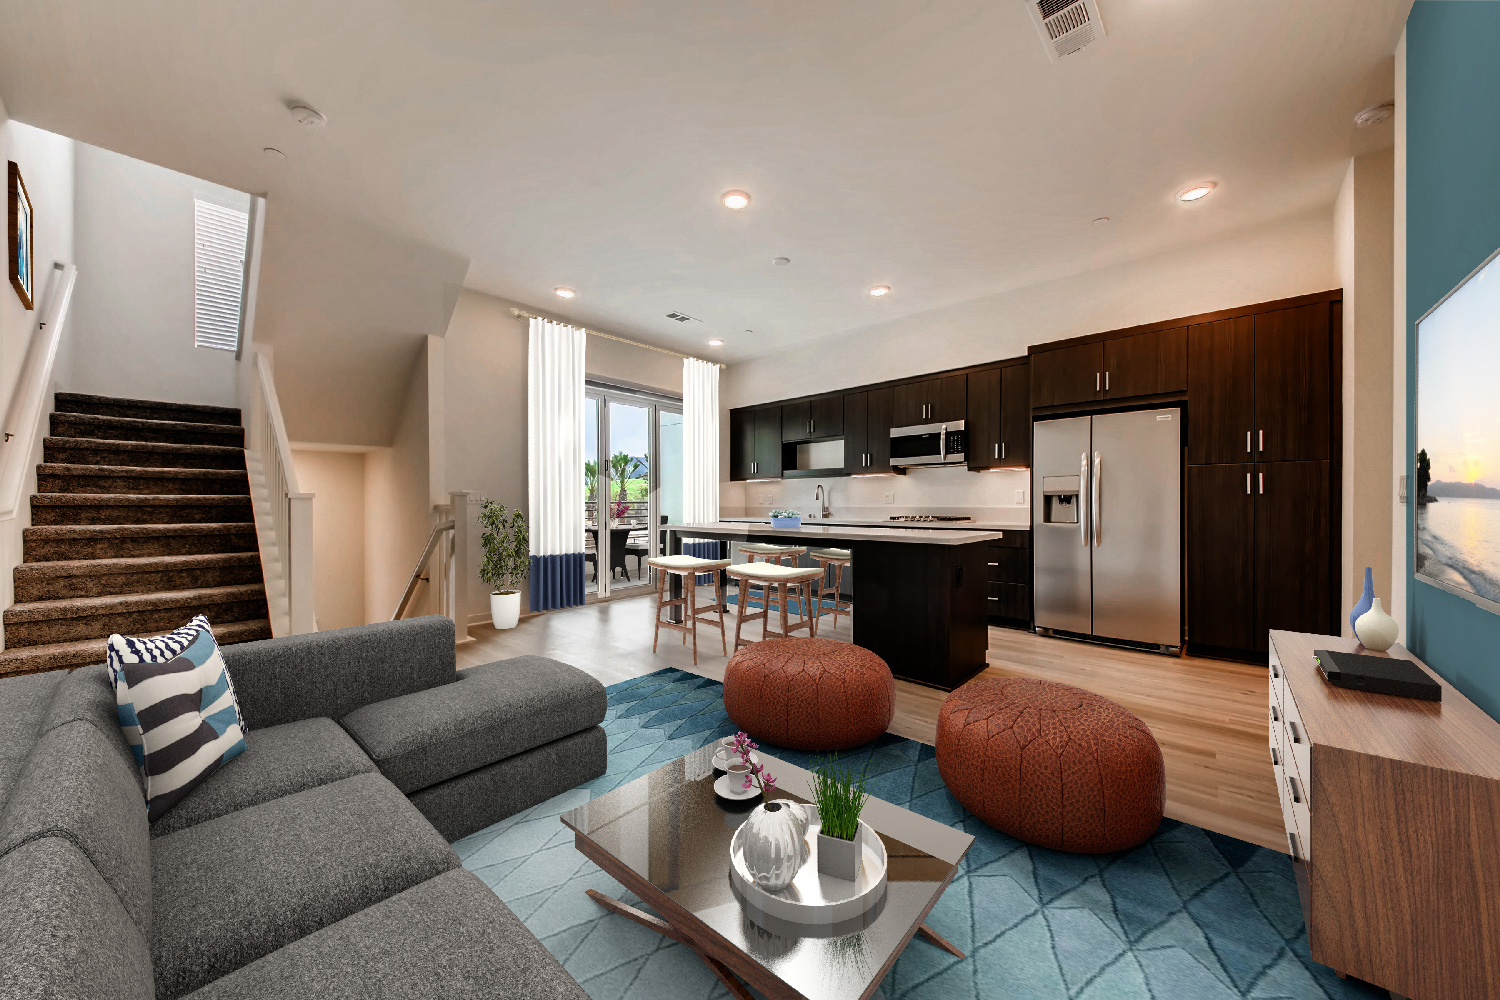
1365, 599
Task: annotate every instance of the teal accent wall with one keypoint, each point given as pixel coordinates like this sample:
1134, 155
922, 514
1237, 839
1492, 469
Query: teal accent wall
1452, 225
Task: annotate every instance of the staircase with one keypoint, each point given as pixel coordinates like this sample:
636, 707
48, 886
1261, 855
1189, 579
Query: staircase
141, 520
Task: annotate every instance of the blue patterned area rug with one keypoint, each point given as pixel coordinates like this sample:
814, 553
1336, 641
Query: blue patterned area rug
1190, 915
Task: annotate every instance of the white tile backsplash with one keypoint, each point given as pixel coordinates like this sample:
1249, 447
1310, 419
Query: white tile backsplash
1002, 497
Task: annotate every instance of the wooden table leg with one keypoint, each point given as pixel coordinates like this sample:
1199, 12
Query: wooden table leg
935, 938
729, 979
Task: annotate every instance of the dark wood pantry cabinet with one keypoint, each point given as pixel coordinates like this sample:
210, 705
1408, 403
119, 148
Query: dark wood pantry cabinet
755, 443
1221, 391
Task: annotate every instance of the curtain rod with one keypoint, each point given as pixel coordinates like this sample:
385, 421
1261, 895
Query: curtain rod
522, 313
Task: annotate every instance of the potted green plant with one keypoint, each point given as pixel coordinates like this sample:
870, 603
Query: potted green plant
841, 797
785, 519
507, 560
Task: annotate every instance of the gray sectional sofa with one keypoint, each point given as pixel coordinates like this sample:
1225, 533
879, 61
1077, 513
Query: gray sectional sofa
314, 865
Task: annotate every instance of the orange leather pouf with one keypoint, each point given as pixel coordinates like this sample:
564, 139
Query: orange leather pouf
809, 694
1051, 764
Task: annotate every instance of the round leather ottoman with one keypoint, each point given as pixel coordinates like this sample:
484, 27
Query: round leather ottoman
809, 694
1051, 764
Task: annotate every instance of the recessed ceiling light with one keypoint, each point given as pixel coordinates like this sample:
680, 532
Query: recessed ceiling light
308, 117
566, 293
1375, 115
716, 342
880, 290
736, 200
274, 153
1103, 220
781, 261
1197, 191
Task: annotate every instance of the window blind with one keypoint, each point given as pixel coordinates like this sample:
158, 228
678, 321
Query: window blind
219, 273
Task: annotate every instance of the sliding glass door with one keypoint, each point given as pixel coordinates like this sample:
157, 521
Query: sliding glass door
632, 477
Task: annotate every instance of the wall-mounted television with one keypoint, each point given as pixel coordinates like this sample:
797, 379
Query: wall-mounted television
1457, 487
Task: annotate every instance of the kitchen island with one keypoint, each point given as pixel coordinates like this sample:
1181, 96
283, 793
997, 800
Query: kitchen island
919, 593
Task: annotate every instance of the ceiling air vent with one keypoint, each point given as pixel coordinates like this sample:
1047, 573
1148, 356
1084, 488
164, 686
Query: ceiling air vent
682, 317
1066, 25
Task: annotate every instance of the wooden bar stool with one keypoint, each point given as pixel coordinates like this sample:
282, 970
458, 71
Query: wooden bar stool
758, 551
689, 567
784, 579
838, 559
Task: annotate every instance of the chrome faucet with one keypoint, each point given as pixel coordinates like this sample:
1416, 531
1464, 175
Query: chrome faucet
821, 495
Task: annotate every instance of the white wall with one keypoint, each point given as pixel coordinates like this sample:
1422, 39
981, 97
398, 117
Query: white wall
46, 163
337, 478
1363, 220
398, 504
132, 332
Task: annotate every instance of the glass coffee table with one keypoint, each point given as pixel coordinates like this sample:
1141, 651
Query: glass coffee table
665, 837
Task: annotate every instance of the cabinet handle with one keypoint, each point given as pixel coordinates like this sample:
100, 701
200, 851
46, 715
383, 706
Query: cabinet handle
1262, 440
1247, 484
1096, 381
1275, 670
1247, 442
1291, 784
997, 451
1002, 449
1291, 843
1275, 760
1262, 477
1295, 731
994, 564
1106, 381
1274, 716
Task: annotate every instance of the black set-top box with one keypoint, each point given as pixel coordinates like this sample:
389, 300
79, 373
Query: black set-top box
1378, 675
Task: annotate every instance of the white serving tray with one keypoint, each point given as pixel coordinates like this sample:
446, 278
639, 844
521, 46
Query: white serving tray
815, 904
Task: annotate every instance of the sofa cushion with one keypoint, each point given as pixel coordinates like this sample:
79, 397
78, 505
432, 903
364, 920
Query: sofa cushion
65, 935
81, 786
495, 711
449, 938
179, 716
85, 695
23, 709
334, 672
279, 760
235, 888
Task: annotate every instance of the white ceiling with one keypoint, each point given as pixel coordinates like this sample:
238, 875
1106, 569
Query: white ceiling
927, 146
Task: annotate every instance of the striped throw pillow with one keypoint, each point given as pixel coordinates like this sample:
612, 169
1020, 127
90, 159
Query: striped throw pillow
177, 710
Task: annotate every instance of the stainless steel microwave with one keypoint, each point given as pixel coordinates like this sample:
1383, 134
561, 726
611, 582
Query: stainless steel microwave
929, 444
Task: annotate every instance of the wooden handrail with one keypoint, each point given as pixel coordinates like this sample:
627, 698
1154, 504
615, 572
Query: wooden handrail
416, 573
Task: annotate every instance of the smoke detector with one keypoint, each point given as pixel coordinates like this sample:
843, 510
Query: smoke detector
683, 317
308, 117
1375, 115
1066, 26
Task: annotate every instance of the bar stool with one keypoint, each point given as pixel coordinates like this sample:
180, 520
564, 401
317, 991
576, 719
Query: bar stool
689, 567
784, 578
837, 559
758, 551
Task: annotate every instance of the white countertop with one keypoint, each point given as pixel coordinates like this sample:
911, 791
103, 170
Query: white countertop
843, 532
850, 522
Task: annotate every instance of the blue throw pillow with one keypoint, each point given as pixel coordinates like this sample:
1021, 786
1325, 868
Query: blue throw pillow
177, 710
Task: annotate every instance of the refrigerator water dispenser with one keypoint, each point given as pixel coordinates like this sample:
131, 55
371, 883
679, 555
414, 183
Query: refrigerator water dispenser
1060, 499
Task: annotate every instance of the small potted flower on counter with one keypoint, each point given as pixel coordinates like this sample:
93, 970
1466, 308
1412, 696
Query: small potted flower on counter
786, 519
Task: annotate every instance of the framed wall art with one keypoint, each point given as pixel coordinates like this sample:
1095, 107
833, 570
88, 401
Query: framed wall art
21, 266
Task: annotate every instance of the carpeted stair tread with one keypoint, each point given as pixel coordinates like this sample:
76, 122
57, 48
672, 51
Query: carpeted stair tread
94, 480
88, 425
118, 406
67, 578
38, 623
141, 454
45, 543
138, 508
84, 652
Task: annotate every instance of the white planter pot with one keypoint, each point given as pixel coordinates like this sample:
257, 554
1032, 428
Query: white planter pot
505, 609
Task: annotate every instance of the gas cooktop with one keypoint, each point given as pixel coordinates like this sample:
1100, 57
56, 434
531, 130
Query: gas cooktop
931, 517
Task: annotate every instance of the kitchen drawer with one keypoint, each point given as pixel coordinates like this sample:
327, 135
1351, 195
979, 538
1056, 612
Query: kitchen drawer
1294, 815
1297, 796
1277, 680
1294, 737
1009, 565
1010, 600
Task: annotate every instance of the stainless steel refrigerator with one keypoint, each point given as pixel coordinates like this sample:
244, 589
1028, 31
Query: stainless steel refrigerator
1107, 526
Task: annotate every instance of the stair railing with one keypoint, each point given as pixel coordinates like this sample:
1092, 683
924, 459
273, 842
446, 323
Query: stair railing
433, 541
450, 574
33, 391
283, 514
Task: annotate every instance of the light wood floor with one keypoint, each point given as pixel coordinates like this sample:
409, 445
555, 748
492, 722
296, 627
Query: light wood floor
1207, 715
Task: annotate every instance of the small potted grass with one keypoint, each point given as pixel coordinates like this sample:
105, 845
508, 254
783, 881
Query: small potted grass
784, 519
841, 797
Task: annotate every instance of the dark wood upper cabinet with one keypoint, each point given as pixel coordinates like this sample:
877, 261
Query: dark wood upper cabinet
1293, 558
983, 421
1068, 375
930, 401
796, 421
1221, 392
1219, 549
856, 431
767, 443
878, 429
1293, 359
1015, 416
1146, 364
827, 416
741, 444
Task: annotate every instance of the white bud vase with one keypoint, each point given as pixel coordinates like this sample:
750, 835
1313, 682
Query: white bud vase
1375, 629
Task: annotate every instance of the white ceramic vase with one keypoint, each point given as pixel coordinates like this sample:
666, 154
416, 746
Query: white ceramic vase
773, 844
1375, 629
505, 609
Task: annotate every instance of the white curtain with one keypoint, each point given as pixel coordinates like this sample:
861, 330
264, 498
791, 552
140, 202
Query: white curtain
554, 463
700, 441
